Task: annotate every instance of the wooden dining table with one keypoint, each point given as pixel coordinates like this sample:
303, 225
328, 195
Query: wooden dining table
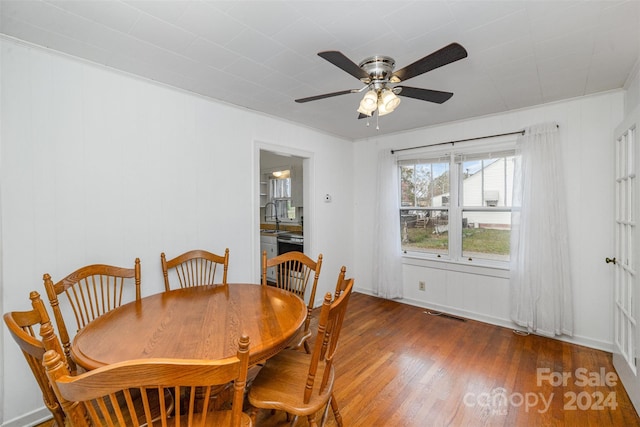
203, 322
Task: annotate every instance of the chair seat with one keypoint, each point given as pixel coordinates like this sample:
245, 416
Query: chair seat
281, 383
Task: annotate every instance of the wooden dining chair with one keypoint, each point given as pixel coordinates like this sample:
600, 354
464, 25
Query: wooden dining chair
22, 327
301, 384
195, 268
90, 292
103, 397
342, 282
293, 271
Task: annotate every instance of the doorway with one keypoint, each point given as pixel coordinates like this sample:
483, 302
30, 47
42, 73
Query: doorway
284, 199
281, 190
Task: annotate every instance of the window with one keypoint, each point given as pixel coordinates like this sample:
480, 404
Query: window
424, 214
280, 196
457, 206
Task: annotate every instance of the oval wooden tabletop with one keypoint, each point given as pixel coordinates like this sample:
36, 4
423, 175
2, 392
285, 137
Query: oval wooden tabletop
203, 322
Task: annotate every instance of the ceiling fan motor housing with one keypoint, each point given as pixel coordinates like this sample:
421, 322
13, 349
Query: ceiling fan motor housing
379, 69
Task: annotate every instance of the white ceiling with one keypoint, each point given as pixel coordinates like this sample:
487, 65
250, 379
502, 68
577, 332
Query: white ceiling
261, 55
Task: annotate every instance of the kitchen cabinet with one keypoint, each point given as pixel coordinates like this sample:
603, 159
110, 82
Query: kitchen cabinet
269, 244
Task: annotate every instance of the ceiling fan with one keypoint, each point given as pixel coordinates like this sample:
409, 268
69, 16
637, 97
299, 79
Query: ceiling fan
377, 74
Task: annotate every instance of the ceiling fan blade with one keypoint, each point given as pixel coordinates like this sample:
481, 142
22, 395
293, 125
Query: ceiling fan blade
326, 95
446, 55
424, 94
339, 60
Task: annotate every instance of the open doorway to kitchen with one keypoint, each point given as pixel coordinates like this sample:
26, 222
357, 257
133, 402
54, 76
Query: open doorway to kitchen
283, 190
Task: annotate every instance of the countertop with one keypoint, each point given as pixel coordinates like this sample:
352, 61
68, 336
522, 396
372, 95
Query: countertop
273, 233
269, 229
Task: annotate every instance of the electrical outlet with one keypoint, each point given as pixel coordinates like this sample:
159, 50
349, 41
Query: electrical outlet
421, 285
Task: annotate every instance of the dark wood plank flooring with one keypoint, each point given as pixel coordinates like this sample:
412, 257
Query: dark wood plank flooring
399, 366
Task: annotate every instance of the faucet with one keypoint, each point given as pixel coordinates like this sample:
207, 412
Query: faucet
275, 209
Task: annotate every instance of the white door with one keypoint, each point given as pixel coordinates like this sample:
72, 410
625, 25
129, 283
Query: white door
626, 293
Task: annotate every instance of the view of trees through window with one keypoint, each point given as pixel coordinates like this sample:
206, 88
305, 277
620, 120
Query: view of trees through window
470, 220
425, 189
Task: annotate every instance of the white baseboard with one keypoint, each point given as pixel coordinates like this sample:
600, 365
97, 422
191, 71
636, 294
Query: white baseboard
497, 321
29, 419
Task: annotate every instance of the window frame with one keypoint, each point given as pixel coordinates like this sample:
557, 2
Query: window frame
456, 210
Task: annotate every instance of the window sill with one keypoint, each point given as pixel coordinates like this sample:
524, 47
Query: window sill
476, 267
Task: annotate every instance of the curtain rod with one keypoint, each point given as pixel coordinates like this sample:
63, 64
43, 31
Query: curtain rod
521, 132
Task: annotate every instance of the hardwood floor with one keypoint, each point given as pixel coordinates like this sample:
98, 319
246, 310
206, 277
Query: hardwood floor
399, 366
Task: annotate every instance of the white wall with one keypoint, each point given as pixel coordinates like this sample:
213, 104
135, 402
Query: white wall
632, 86
586, 128
101, 167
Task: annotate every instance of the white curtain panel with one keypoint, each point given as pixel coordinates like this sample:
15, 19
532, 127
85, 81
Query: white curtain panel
540, 280
387, 252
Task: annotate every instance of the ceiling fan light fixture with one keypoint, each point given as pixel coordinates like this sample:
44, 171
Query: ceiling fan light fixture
382, 111
365, 112
369, 103
389, 100
281, 174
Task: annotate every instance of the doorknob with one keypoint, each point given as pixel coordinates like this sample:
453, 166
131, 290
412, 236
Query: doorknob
608, 260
